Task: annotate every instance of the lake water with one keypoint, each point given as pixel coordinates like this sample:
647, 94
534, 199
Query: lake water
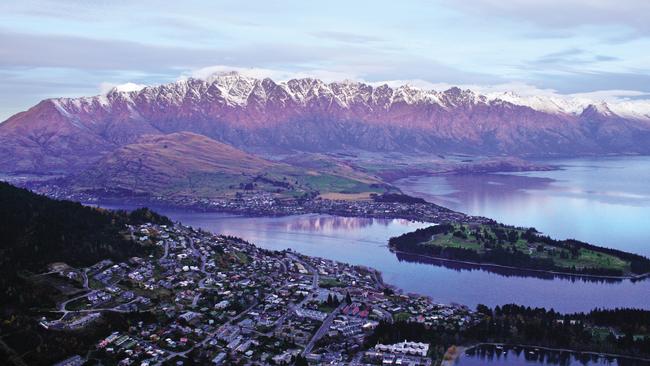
605, 201
363, 241
489, 355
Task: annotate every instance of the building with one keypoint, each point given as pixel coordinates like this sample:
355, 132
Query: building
404, 348
75, 360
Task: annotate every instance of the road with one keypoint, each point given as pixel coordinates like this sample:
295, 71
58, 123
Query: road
208, 337
316, 276
166, 250
84, 275
325, 326
323, 329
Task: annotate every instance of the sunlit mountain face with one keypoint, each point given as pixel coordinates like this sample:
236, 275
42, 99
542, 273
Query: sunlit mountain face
262, 115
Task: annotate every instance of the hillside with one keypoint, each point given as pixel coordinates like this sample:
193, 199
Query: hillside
36, 231
186, 164
309, 115
158, 162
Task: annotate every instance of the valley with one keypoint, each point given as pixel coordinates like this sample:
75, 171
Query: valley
190, 294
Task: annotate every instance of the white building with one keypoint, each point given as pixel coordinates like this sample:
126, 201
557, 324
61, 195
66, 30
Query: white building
405, 348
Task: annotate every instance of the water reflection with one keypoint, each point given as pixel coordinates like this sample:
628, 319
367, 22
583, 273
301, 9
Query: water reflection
330, 224
363, 241
604, 201
502, 271
516, 356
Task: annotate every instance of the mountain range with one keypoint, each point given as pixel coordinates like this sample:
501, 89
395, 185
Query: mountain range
66, 135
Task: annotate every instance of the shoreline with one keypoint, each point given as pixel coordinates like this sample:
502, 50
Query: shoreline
429, 212
557, 273
559, 350
385, 216
450, 357
414, 218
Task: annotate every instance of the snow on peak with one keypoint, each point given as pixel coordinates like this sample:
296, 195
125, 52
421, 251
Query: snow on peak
545, 103
238, 89
576, 104
128, 87
233, 86
637, 109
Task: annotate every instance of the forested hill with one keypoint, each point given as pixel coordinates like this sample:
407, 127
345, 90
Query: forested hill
36, 230
520, 248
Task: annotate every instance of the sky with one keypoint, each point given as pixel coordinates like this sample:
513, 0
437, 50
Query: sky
84, 47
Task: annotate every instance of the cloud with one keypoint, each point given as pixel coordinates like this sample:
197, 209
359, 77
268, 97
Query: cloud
347, 37
553, 14
418, 71
275, 74
35, 50
31, 50
571, 57
605, 58
577, 81
106, 87
612, 95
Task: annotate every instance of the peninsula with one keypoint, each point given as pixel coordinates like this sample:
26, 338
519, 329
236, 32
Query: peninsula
521, 248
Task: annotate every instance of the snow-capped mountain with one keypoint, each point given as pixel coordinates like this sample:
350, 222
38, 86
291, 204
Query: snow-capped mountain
234, 89
634, 109
311, 115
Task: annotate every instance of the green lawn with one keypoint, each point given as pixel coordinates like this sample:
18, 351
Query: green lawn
401, 317
329, 283
331, 183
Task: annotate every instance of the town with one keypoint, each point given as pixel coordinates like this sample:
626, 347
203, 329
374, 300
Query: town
220, 300
257, 203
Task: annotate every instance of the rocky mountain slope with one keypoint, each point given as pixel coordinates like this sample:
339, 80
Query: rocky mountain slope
260, 115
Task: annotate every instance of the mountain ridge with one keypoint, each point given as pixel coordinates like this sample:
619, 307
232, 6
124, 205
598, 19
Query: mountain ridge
237, 89
260, 115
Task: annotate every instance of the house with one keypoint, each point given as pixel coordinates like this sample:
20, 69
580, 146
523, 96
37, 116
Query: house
75, 360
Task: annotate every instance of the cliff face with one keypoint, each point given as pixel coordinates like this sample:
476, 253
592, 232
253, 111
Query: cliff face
309, 115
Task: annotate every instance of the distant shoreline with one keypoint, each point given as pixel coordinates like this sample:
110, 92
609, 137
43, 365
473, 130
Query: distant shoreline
489, 166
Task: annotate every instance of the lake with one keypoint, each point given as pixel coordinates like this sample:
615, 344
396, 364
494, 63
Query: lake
509, 356
604, 201
363, 241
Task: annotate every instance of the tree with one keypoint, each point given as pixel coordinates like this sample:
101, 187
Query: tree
301, 361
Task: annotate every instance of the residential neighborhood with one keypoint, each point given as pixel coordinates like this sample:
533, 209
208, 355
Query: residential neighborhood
219, 300
255, 203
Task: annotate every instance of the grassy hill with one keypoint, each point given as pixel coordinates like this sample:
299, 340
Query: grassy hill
186, 164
